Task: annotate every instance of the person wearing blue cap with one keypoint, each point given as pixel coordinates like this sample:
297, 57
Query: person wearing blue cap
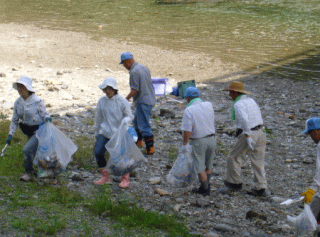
199, 130
313, 129
144, 98
312, 194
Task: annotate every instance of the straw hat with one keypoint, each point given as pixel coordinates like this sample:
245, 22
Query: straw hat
236, 86
26, 81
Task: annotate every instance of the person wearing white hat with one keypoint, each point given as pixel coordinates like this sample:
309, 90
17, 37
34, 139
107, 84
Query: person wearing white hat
111, 110
251, 141
29, 112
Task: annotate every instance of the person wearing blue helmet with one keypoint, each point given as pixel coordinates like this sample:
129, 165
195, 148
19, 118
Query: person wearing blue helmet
199, 130
143, 95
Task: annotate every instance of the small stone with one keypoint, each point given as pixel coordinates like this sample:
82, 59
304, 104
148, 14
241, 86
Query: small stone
155, 180
177, 207
2, 74
59, 73
161, 192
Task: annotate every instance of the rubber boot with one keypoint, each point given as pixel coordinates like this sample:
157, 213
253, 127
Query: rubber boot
139, 142
105, 177
149, 145
125, 181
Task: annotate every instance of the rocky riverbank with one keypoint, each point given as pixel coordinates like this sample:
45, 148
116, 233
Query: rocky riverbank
70, 93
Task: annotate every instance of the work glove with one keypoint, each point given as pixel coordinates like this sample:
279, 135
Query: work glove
250, 143
9, 139
308, 195
184, 149
48, 119
126, 120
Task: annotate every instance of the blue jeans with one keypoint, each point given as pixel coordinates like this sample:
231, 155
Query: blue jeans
29, 151
100, 150
141, 119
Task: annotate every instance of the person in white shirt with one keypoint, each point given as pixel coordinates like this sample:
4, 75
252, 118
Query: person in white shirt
251, 141
198, 127
111, 110
29, 112
312, 194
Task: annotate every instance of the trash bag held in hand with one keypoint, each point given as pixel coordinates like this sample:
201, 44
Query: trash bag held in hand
305, 223
183, 172
125, 156
54, 148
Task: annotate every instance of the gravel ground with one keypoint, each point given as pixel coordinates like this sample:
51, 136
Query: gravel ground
285, 105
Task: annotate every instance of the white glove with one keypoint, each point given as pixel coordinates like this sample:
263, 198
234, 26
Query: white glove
250, 143
184, 149
126, 120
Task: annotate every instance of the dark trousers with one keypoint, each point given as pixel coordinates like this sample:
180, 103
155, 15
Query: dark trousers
100, 150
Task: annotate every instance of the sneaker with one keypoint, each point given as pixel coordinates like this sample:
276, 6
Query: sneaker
233, 187
202, 191
257, 193
26, 177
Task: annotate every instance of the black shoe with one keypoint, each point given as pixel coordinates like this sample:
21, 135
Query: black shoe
257, 193
233, 187
202, 191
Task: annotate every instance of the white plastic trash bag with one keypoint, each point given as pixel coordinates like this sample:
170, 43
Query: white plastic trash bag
183, 172
305, 223
125, 156
54, 148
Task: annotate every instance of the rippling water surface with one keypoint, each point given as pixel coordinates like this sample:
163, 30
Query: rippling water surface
275, 36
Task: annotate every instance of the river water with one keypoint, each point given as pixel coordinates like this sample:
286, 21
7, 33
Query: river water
275, 37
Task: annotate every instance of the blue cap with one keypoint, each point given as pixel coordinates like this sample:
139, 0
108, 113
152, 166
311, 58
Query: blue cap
312, 123
125, 56
192, 92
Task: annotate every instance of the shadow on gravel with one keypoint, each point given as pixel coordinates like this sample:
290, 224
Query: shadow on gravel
301, 66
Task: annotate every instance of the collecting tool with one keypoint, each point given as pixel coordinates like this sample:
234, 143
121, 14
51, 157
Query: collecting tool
2, 152
292, 200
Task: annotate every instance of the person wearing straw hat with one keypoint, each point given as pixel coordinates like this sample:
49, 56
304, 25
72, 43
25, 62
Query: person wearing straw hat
29, 112
312, 194
111, 110
251, 141
143, 94
198, 127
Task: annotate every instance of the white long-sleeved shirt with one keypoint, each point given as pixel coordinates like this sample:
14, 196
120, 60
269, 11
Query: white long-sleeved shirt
198, 119
31, 111
247, 113
316, 181
109, 114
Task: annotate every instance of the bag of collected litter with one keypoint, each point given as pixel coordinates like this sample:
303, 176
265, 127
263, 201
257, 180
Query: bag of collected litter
125, 156
54, 150
133, 134
305, 223
183, 172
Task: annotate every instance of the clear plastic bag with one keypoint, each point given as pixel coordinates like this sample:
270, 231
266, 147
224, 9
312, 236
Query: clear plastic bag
54, 148
183, 172
305, 223
125, 156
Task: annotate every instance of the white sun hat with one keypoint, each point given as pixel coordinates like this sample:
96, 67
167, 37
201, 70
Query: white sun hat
26, 81
109, 81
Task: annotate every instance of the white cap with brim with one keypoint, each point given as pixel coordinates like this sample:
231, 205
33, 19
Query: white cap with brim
109, 81
26, 81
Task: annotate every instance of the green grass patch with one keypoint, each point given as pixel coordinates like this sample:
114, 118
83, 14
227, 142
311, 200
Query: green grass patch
133, 217
37, 209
